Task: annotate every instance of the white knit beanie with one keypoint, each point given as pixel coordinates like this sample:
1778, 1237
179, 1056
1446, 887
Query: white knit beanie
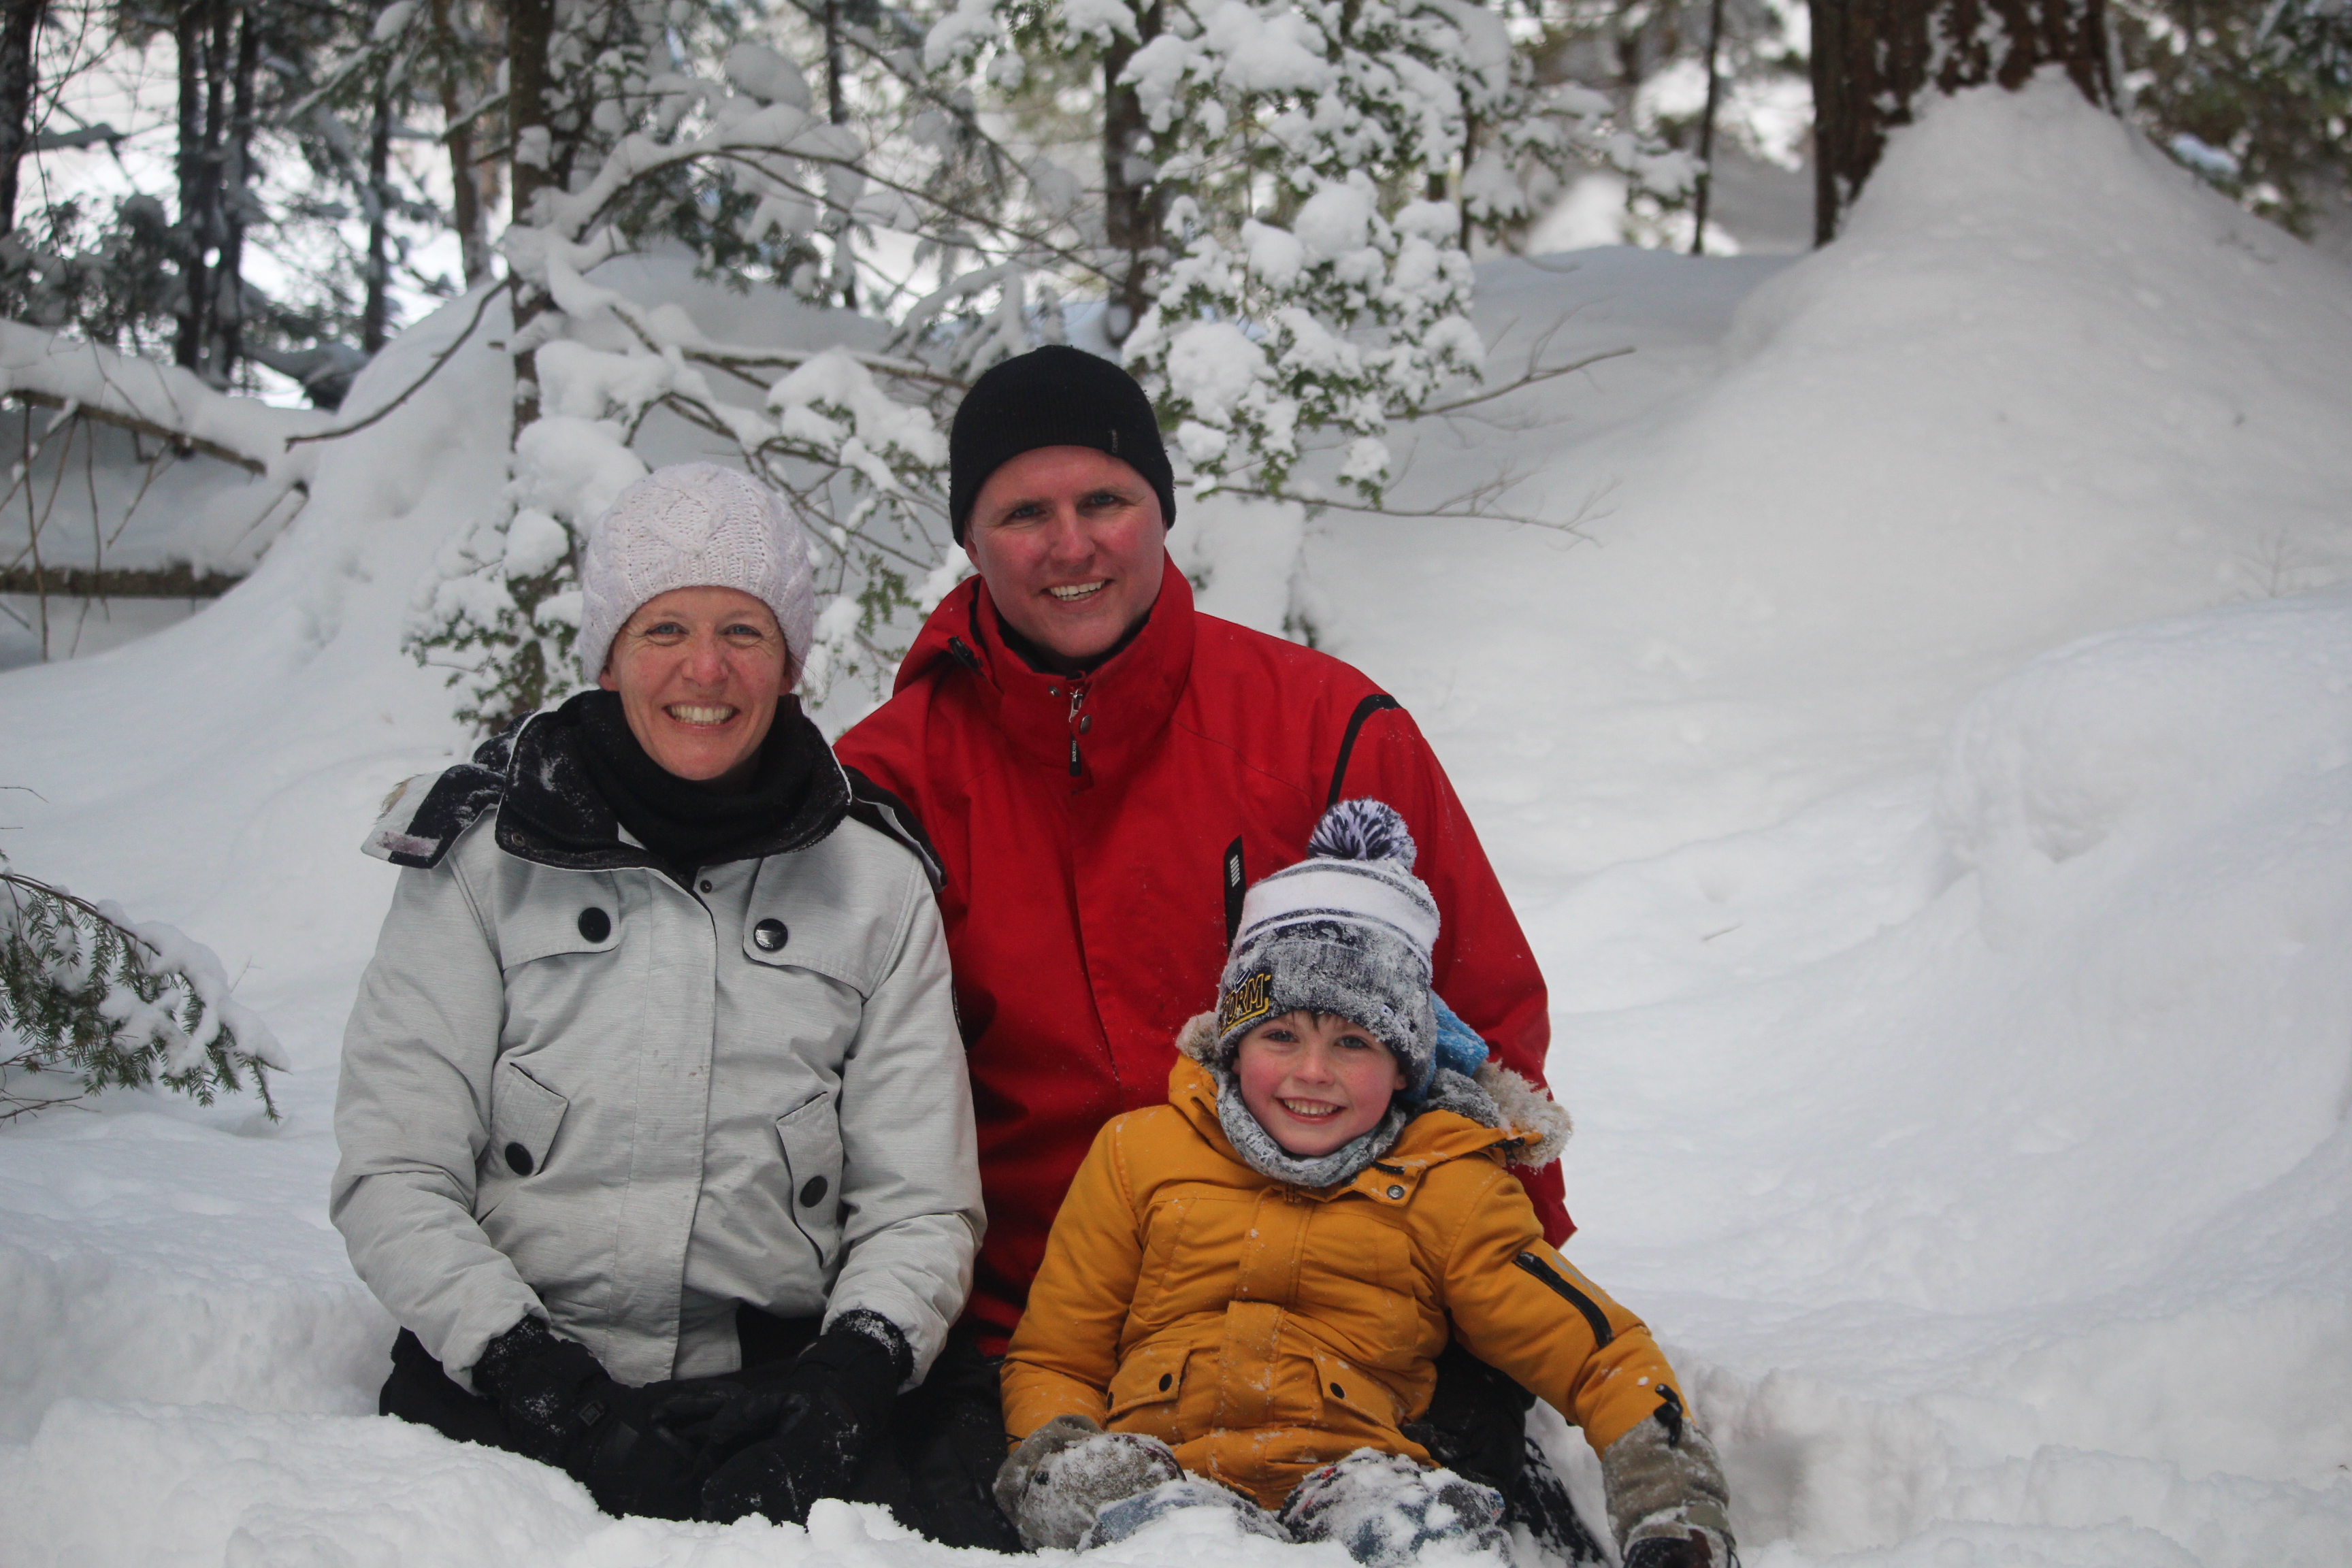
694, 525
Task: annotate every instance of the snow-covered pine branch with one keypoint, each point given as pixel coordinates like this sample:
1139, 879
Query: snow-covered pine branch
87, 993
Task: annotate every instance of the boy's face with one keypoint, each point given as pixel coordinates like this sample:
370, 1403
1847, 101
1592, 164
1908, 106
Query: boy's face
1315, 1080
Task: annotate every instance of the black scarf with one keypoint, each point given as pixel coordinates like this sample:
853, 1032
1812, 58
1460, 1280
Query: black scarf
685, 825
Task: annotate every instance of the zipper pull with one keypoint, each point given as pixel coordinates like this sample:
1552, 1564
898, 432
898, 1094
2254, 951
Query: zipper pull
1078, 700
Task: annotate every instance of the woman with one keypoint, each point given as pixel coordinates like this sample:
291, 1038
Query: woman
655, 1133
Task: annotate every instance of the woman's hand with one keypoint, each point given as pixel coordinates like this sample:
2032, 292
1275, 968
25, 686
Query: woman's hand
565, 1410
802, 1436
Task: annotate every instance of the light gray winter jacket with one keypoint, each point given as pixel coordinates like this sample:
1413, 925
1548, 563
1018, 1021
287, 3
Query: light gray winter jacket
573, 1088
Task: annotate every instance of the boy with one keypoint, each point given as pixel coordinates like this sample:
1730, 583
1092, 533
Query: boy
1246, 1288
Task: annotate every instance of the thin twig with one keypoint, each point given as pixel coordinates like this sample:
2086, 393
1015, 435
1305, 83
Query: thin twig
1532, 378
481, 305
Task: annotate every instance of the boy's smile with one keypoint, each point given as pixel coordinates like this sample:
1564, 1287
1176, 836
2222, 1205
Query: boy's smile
1315, 1080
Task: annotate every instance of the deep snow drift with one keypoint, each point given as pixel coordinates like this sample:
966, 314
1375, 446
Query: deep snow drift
1928, 783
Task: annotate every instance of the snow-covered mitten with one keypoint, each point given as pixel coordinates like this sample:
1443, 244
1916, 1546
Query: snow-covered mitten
1062, 1474
1124, 1517
1667, 1500
1384, 1508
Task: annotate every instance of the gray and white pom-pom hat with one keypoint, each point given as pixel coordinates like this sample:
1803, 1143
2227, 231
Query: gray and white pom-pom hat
1347, 930
694, 525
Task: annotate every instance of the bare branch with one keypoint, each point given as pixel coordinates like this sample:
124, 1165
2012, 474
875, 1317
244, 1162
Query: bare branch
1532, 378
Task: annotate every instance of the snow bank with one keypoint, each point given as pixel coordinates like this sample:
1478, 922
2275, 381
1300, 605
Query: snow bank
1924, 780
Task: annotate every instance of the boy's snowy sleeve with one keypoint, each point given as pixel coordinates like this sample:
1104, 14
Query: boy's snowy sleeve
1521, 1307
412, 1116
1066, 1347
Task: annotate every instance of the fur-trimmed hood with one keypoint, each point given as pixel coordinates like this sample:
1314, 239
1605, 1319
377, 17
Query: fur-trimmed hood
1498, 1097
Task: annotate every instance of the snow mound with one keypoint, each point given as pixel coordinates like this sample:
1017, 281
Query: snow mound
2045, 385
2031, 1205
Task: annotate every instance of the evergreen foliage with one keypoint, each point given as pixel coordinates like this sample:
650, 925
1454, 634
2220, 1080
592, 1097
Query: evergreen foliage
87, 995
2252, 96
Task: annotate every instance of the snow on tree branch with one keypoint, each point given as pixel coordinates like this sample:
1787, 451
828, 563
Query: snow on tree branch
159, 400
87, 993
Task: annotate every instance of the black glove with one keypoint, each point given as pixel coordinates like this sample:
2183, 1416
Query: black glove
1476, 1422
801, 1435
563, 1409
1697, 1550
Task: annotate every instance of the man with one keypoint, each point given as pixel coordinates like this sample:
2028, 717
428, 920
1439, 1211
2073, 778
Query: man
1103, 771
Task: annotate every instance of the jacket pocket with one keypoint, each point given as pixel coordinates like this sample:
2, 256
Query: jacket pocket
810, 1137
1145, 1388
524, 1116
1352, 1397
576, 914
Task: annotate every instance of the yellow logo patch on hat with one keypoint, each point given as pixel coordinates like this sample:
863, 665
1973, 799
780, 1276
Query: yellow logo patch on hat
1251, 998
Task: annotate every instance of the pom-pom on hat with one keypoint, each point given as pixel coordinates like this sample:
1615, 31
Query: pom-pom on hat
694, 525
1347, 930
1053, 396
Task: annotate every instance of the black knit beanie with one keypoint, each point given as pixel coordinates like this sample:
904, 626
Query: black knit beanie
1053, 396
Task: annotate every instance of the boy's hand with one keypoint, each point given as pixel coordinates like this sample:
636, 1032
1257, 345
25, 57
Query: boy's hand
1699, 1549
1666, 1494
1070, 1470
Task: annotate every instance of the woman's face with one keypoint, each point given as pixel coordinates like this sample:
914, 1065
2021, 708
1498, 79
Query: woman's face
700, 671
1315, 1081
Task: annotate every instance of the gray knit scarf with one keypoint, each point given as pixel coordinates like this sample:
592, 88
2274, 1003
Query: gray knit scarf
1259, 1150
1448, 1091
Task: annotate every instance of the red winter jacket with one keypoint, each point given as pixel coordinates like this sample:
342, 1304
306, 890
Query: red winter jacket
1097, 835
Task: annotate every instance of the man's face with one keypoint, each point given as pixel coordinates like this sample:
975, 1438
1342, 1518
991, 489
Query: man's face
1070, 541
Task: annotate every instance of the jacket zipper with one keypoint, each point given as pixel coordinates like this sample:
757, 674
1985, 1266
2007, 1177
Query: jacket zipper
1594, 1317
1078, 700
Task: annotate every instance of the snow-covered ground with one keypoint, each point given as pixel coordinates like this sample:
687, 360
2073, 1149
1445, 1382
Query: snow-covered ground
1925, 773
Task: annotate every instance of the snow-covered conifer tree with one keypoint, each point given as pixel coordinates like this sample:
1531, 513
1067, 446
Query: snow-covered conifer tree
1318, 168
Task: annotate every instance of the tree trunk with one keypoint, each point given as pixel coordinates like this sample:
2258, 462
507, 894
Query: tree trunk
1706, 128
1131, 199
375, 312
194, 167
466, 207
1872, 58
530, 26
836, 110
235, 202
19, 21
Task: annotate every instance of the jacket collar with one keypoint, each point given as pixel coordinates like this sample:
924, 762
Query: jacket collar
1093, 727
551, 814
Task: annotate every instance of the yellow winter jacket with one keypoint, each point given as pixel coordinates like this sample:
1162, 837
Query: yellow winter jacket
1261, 1329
